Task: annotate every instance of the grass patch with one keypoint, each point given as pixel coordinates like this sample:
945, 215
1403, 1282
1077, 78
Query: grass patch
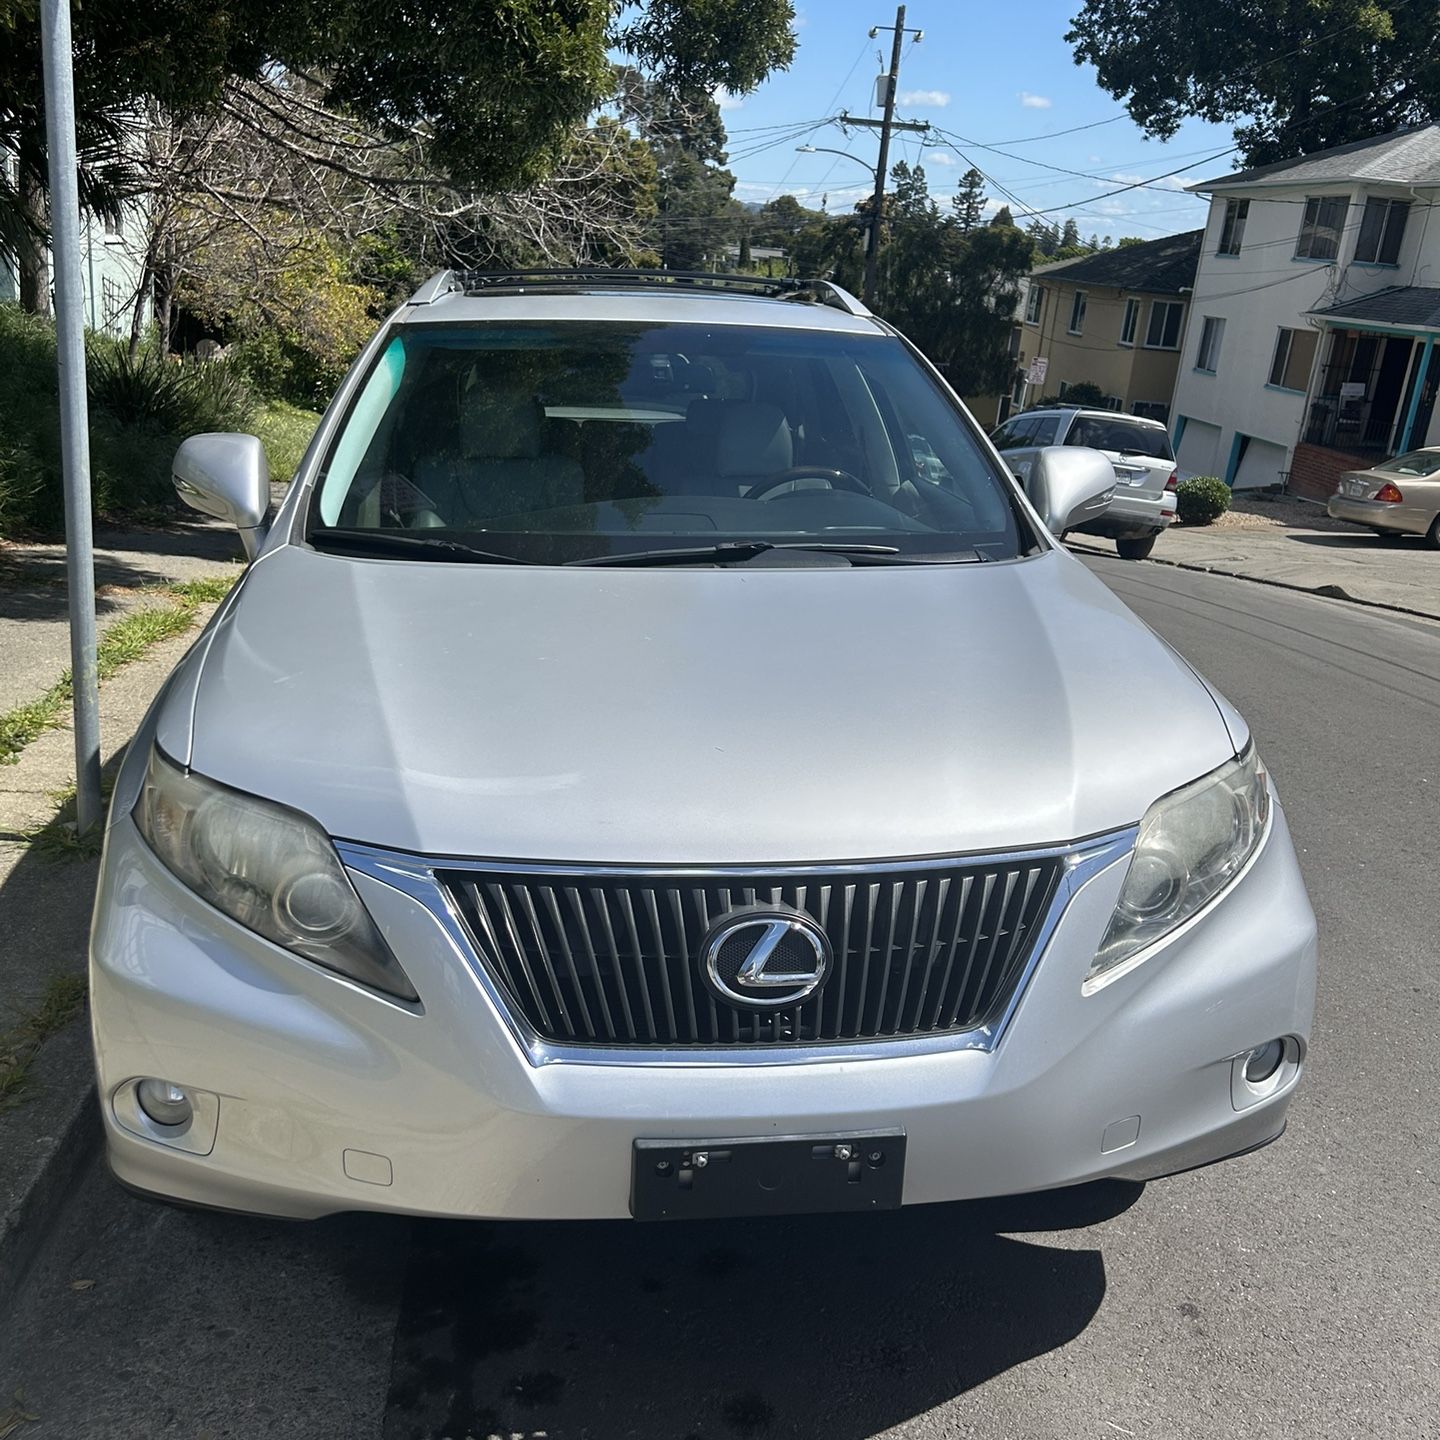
125, 641
285, 431
63, 999
59, 838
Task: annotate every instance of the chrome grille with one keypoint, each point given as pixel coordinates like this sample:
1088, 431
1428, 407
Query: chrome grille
611, 958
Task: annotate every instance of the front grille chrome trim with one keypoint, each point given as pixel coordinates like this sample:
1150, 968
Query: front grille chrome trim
418, 877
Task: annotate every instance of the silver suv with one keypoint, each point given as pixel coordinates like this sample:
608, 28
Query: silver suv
1145, 477
658, 763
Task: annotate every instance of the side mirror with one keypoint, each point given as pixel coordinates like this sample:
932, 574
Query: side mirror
1069, 485
227, 476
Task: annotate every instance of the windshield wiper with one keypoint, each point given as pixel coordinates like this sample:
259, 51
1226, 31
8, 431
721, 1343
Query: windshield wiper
857, 552
390, 542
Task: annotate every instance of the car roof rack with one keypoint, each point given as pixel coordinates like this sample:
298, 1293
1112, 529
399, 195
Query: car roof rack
572, 279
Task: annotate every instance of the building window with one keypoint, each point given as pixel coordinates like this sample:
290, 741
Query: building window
1207, 358
1077, 313
1382, 228
1294, 355
1163, 332
1034, 301
1321, 227
1232, 230
1131, 320
114, 227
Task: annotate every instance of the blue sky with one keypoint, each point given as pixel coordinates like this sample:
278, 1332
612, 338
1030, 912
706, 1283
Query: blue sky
990, 75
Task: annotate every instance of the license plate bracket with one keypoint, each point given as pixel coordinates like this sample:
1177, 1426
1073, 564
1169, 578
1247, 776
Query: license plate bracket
767, 1175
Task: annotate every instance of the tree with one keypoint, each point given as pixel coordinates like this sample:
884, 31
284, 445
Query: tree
969, 200
497, 88
1002, 218
1296, 78
780, 220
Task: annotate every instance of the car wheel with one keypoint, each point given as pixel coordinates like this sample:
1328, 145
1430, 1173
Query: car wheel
1135, 547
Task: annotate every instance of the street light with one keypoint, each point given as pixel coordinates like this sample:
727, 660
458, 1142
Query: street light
826, 150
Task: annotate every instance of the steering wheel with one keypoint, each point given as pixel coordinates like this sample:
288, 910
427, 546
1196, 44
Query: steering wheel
838, 480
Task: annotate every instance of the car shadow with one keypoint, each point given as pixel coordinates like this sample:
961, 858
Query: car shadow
827, 1326
1344, 540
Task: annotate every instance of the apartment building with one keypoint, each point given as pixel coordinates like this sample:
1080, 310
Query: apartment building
1309, 346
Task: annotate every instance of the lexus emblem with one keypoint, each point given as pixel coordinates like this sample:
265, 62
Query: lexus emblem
765, 959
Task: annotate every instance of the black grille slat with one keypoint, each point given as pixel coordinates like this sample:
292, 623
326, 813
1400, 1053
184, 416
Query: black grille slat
613, 959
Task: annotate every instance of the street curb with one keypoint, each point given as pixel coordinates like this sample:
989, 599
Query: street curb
73, 1132
1326, 592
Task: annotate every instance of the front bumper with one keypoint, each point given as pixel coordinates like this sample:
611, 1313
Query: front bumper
332, 1098
1377, 514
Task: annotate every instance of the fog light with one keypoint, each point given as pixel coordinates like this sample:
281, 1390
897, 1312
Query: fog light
1264, 1062
164, 1103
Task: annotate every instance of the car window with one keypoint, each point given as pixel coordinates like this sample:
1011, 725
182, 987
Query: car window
1046, 428
564, 441
1021, 432
1416, 462
1102, 433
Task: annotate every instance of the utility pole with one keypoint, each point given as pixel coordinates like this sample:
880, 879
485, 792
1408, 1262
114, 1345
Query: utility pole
58, 53
887, 125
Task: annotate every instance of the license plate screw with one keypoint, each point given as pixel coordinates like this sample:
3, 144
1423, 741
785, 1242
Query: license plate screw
844, 1152
702, 1159
662, 1167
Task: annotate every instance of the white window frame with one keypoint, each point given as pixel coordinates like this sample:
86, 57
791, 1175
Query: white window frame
1129, 323
1156, 306
1312, 230
1232, 227
1207, 353
1387, 221
1034, 304
1078, 307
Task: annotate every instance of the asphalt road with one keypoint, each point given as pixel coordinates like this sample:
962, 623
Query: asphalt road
1292, 1293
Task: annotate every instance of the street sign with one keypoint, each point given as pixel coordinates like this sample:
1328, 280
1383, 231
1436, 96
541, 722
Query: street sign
1036, 374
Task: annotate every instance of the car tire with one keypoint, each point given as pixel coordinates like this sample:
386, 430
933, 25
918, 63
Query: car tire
1432, 535
1135, 547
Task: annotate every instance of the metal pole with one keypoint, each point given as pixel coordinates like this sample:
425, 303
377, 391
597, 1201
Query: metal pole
877, 203
58, 52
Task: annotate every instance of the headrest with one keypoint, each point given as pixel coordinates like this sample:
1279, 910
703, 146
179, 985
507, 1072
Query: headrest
500, 424
753, 440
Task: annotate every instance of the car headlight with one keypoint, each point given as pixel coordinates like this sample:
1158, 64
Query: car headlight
268, 868
1192, 844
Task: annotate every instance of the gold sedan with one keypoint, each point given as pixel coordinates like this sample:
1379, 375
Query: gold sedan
1399, 497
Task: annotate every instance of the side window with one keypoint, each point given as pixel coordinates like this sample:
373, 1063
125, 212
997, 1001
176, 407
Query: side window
1046, 428
1016, 433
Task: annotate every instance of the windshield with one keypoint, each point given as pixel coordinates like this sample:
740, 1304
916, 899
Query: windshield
557, 443
1121, 436
1417, 462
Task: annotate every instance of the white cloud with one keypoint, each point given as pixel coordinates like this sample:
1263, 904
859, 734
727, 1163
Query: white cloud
725, 100
924, 97
940, 157
800, 21
1035, 102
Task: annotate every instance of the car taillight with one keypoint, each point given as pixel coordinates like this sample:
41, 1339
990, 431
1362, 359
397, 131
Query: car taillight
1173, 483
1389, 494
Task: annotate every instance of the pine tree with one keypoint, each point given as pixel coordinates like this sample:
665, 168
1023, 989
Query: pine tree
969, 201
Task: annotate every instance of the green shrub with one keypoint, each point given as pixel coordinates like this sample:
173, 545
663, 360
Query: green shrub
140, 410
174, 397
1202, 499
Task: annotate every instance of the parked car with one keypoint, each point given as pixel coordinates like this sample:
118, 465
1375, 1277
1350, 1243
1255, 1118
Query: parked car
621, 785
1397, 497
1145, 478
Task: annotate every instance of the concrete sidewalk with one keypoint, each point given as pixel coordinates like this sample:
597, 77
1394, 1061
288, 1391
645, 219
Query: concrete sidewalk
34, 625
1345, 564
45, 903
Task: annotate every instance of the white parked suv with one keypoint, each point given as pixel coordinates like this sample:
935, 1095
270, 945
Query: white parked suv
1139, 449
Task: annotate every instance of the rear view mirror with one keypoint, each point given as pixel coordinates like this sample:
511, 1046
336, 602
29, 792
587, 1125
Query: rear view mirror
1069, 485
227, 476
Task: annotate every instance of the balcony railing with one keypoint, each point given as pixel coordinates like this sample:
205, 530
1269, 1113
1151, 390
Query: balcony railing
1350, 425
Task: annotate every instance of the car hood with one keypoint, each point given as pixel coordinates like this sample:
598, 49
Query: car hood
693, 716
